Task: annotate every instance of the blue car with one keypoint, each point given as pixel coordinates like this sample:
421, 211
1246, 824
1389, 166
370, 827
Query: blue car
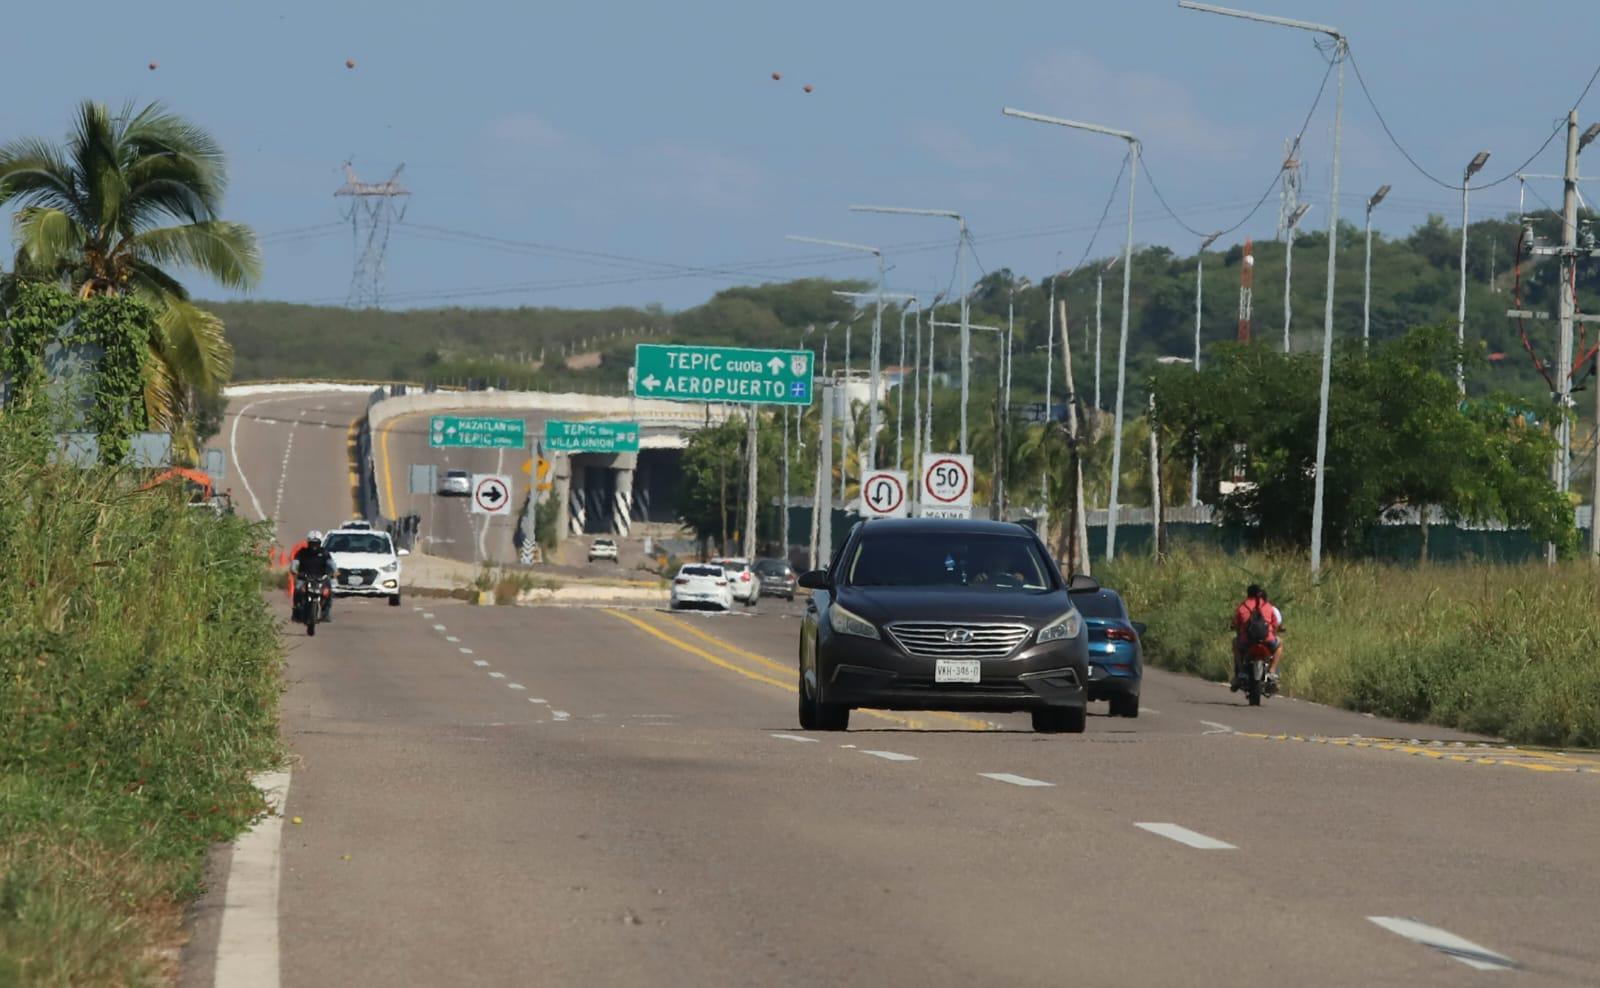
1116, 668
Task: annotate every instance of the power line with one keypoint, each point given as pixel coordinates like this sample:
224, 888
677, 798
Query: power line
1434, 178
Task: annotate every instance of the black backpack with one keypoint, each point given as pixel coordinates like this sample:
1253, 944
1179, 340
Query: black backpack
1256, 630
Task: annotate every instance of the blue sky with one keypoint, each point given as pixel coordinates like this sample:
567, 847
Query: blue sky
653, 133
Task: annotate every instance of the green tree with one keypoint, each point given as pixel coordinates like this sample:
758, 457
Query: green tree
130, 196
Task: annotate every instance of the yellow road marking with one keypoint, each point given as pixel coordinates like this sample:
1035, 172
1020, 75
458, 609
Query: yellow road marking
1532, 760
967, 722
721, 663
388, 478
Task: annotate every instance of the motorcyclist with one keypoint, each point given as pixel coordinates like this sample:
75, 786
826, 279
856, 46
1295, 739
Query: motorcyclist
1277, 634
312, 561
1256, 604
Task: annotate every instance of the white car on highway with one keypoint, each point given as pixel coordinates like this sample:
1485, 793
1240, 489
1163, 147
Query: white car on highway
367, 563
455, 483
603, 549
701, 585
742, 578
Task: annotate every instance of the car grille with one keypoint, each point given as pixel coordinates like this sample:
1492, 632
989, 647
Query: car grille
368, 576
932, 639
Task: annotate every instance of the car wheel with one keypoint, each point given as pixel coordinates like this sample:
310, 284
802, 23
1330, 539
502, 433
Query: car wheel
1060, 720
808, 707
394, 601
1125, 705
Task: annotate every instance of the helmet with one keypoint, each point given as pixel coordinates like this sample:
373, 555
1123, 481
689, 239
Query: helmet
313, 536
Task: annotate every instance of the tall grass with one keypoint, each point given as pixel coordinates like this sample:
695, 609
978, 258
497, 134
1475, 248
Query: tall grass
1511, 651
139, 680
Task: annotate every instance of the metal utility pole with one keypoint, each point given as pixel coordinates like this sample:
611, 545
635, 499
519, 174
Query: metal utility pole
1473, 166
1049, 367
1078, 523
1288, 267
1247, 277
871, 462
822, 507
1289, 186
877, 332
961, 269
1341, 48
372, 212
1366, 292
1199, 274
900, 396
1099, 296
752, 453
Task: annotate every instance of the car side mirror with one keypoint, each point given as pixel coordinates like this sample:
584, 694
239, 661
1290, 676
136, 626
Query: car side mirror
1138, 627
402, 552
816, 579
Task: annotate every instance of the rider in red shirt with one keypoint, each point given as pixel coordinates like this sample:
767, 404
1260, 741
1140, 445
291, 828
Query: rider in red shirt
1255, 601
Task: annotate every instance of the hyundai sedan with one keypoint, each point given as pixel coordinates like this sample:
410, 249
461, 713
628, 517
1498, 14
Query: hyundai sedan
926, 614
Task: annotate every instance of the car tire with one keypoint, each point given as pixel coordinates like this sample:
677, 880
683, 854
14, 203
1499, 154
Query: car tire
1060, 720
816, 715
394, 600
1125, 705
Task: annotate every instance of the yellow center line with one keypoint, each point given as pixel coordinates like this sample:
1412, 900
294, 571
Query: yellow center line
722, 663
967, 722
388, 477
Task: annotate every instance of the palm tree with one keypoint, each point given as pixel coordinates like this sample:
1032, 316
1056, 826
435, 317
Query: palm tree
130, 196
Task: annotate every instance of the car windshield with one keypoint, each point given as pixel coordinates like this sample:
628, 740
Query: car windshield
601, 542
1099, 604
457, 474
1001, 563
357, 542
700, 571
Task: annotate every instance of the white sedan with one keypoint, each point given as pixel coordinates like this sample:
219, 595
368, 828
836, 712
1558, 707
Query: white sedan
701, 585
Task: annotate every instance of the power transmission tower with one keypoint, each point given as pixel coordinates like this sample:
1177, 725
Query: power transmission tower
1289, 190
374, 207
1247, 277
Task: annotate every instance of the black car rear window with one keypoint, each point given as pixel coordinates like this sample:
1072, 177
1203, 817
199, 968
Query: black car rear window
701, 571
772, 567
1002, 563
1100, 604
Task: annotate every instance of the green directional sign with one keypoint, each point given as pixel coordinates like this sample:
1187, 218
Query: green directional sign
590, 437
476, 433
731, 374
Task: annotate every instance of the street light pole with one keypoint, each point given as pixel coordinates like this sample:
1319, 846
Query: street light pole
1127, 286
1341, 48
961, 274
1473, 166
1199, 273
1366, 292
1099, 348
1288, 267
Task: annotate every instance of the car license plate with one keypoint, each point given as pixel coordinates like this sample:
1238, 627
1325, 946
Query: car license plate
956, 671
352, 581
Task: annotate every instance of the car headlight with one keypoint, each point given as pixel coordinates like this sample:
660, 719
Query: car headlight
392, 567
846, 623
1063, 628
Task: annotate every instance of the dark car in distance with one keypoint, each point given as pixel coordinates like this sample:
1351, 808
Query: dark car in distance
1116, 664
777, 578
932, 614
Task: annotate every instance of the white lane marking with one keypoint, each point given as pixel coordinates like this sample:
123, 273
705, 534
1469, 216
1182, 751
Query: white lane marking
427, 616
233, 451
479, 663
414, 607
1152, 710
1216, 728
847, 746
283, 474
1447, 943
795, 737
560, 714
439, 627
515, 686
466, 651
1016, 780
452, 639
537, 699
247, 944
497, 675
1183, 835
889, 756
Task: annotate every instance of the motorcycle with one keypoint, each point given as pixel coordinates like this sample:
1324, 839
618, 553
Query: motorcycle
1250, 672
313, 599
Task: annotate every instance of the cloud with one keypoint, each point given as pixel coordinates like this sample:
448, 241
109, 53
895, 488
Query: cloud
524, 130
1162, 112
704, 176
954, 148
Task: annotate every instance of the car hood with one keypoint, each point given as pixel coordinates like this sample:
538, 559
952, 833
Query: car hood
362, 560
882, 605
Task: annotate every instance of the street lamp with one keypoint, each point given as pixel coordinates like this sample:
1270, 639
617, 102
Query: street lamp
1005, 407
872, 442
877, 336
1366, 294
1288, 267
961, 262
1473, 167
1199, 271
1341, 48
926, 442
1099, 296
997, 489
1127, 273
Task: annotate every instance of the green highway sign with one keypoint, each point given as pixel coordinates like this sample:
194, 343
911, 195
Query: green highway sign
590, 437
716, 373
476, 433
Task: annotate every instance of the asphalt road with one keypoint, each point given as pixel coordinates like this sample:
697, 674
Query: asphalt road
566, 795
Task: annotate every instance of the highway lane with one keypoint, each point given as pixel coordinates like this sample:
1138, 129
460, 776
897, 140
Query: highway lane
548, 795
287, 458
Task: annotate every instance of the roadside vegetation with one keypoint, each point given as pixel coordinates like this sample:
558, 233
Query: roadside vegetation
1509, 651
139, 684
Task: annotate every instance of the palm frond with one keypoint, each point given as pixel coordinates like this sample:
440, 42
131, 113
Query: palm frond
193, 345
150, 281
94, 146
155, 132
35, 173
225, 251
49, 239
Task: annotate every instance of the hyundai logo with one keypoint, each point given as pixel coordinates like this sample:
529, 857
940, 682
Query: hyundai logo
958, 636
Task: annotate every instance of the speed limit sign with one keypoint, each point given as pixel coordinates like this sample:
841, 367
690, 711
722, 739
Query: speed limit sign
883, 494
946, 480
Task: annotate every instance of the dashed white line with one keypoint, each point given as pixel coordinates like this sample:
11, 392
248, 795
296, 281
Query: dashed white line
515, 686
497, 675
537, 699
889, 756
795, 737
1016, 780
452, 639
560, 714
426, 616
438, 627
479, 663
1183, 835
1216, 728
465, 651
1447, 943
